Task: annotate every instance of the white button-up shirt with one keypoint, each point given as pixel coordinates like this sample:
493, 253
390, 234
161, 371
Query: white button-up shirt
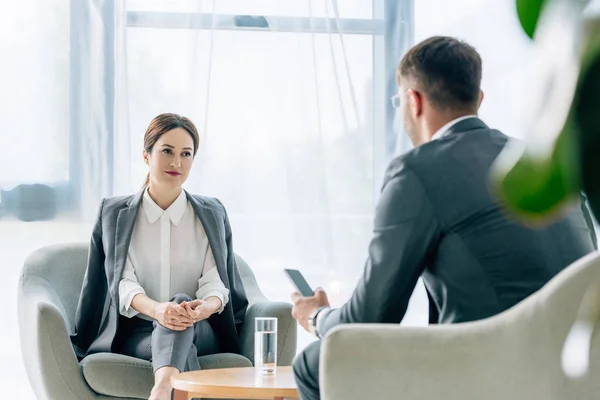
169, 254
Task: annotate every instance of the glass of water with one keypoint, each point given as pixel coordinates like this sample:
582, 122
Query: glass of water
265, 345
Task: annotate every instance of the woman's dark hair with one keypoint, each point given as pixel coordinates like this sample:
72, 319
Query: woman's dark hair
162, 124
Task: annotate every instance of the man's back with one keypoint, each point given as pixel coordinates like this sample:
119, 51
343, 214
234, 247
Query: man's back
484, 262
436, 218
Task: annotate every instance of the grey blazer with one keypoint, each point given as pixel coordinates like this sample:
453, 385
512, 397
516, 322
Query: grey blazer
437, 219
109, 246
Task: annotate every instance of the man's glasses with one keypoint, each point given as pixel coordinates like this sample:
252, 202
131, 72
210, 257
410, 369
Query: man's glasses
395, 99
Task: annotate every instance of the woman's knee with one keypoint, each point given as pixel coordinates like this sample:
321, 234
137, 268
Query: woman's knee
179, 297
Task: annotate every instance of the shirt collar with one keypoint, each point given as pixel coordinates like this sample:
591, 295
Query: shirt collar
175, 211
440, 132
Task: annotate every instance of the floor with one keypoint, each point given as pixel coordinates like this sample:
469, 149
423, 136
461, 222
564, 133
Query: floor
17, 241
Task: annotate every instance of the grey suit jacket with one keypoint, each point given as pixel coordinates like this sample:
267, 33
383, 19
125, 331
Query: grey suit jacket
109, 246
437, 219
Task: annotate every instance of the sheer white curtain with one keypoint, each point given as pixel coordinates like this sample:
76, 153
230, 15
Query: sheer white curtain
492, 27
285, 112
291, 99
53, 162
286, 115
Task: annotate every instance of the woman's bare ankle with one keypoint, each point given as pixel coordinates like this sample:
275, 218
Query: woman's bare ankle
165, 384
161, 392
162, 383
164, 374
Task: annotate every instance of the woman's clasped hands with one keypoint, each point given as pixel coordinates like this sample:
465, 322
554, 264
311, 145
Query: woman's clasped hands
179, 317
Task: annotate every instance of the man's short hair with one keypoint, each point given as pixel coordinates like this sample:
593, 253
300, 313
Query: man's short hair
446, 70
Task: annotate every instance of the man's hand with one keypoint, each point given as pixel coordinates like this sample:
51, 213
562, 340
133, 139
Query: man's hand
304, 306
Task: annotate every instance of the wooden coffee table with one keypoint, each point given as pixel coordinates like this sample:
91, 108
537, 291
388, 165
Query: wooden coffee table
235, 383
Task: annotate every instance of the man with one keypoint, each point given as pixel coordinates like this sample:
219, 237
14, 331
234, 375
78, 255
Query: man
437, 219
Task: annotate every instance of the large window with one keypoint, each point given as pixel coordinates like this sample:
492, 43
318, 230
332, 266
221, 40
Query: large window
347, 9
35, 94
290, 114
492, 27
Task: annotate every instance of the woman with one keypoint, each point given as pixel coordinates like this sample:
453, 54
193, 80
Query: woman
165, 260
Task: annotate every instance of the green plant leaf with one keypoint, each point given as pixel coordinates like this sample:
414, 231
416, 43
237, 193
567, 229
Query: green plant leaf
586, 114
529, 12
536, 178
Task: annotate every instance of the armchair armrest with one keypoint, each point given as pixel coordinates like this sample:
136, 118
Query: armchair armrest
427, 362
374, 352
50, 360
286, 330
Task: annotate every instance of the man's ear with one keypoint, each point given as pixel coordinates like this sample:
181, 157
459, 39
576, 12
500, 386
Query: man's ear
415, 100
481, 96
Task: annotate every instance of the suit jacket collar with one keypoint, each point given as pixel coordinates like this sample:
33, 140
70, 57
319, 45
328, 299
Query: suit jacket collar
466, 125
440, 132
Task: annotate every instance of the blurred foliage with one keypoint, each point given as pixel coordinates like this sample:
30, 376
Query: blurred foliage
560, 157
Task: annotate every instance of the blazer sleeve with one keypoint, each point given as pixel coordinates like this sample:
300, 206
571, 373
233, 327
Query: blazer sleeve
237, 293
93, 293
406, 232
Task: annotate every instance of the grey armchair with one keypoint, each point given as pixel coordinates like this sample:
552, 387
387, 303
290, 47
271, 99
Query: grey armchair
47, 299
513, 355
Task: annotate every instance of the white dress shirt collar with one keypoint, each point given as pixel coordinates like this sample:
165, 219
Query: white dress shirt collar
438, 134
175, 211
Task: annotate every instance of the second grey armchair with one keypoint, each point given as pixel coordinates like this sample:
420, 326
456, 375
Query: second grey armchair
514, 355
47, 299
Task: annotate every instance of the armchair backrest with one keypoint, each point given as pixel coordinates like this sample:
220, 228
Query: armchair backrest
62, 267
513, 355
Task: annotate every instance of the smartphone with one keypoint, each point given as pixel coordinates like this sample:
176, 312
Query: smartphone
298, 280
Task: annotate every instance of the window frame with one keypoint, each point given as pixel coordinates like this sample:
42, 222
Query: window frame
391, 28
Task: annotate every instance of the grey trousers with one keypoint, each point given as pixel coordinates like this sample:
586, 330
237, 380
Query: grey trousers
164, 347
306, 371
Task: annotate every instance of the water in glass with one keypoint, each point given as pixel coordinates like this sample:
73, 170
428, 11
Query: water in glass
265, 345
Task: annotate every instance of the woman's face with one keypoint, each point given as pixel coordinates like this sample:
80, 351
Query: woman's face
171, 158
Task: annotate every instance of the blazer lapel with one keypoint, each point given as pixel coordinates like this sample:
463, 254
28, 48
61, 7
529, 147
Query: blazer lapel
123, 232
214, 233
